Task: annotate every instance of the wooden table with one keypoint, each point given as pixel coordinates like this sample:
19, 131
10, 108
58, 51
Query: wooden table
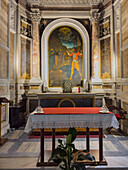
86, 117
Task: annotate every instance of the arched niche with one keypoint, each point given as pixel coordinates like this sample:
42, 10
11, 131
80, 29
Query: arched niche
44, 50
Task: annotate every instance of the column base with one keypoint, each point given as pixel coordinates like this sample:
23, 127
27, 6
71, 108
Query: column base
96, 80
96, 85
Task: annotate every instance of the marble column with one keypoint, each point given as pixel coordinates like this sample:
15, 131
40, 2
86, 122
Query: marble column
95, 46
35, 16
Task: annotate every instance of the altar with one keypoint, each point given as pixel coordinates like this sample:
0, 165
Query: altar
86, 117
54, 99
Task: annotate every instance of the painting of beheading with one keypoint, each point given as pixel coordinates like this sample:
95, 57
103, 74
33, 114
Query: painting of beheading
65, 57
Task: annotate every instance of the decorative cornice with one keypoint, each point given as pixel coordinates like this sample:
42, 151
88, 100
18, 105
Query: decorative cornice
35, 15
56, 3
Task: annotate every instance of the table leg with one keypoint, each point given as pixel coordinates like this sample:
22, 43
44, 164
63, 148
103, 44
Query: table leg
100, 145
53, 139
87, 139
42, 145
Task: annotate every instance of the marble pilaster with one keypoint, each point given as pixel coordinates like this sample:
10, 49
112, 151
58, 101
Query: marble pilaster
95, 46
35, 16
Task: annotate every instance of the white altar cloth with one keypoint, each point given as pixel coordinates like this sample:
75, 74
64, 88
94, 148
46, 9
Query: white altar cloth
71, 120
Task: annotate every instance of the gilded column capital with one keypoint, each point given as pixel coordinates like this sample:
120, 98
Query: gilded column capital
35, 15
95, 15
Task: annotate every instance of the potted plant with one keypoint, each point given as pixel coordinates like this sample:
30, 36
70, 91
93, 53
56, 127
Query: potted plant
67, 156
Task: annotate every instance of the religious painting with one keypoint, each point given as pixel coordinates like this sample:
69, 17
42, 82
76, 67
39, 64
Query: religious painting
25, 58
65, 57
105, 58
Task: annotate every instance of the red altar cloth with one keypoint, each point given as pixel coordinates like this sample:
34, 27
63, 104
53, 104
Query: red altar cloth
71, 110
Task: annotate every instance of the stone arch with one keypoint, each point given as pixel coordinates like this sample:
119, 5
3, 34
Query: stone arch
44, 47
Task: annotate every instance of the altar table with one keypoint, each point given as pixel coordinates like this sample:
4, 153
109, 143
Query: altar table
83, 117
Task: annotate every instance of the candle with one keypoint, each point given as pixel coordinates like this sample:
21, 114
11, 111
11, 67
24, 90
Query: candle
78, 89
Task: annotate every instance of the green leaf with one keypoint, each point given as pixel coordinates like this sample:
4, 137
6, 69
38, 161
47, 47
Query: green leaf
73, 132
85, 151
61, 152
60, 141
56, 159
52, 158
72, 146
75, 150
82, 157
56, 152
68, 140
66, 154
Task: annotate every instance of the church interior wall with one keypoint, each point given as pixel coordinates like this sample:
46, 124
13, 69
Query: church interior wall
4, 62
124, 59
105, 83
16, 52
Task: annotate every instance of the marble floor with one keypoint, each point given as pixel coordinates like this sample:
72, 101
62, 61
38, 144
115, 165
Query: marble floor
22, 153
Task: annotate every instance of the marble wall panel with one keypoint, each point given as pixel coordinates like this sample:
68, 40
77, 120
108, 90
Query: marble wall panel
125, 107
12, 18
118, 86
4, 23
96, 87
118, 55
124, 20
35, 55
21, 87
125, 63
105, 58
25, 28
11, 87
3, 89
25, 59
95, 50
125, 88
3, 63
11, 62
98, 102
34, 87
3, 112
104, 27
117, 18
107, 86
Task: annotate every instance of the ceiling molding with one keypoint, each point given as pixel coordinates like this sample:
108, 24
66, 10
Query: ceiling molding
64, 3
